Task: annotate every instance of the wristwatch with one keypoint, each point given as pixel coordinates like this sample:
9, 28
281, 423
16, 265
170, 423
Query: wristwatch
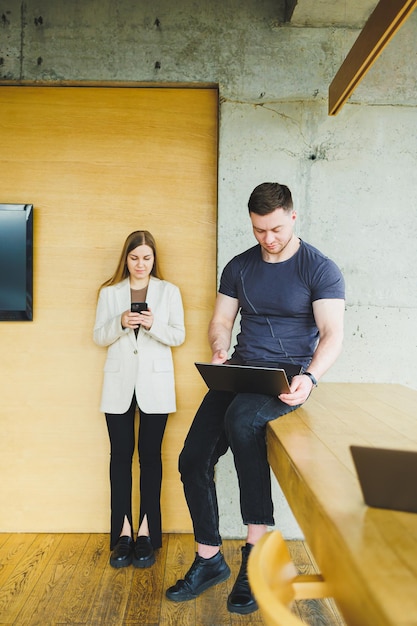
312, 378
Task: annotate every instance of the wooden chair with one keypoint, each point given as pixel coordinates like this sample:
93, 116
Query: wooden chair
275, 582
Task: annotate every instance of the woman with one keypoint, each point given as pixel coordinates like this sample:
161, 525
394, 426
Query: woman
138, 372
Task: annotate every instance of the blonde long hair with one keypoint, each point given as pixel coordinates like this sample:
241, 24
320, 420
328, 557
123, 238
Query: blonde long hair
135, 239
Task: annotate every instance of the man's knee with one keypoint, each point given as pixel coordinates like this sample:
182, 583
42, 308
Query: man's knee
188, 461
239, 425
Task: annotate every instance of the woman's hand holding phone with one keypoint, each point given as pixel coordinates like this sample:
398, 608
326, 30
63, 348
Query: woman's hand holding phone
139, 315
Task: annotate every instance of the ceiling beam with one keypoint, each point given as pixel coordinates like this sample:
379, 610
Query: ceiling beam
380, 28
289, 9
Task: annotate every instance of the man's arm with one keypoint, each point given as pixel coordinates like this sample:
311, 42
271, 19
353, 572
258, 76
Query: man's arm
221, 326
329, 316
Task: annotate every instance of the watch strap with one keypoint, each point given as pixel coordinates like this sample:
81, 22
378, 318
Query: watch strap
312, 378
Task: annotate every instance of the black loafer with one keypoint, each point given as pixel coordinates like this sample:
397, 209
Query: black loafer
143, 554
122, 552
241, 599
203, 574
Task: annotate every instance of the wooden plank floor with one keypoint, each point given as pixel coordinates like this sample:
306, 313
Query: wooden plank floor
56, 579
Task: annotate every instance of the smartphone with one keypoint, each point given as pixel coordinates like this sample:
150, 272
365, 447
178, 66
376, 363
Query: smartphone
138, 307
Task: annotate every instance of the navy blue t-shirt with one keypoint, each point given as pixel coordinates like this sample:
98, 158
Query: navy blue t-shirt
275, 300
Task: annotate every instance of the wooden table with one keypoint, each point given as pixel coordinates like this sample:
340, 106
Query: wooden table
368, 556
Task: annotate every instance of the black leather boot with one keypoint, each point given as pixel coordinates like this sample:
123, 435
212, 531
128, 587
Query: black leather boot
203, 574
143, 554
121, 555
241, 599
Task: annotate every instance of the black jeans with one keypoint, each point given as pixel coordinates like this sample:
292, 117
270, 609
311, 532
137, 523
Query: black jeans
121, 428
237, 420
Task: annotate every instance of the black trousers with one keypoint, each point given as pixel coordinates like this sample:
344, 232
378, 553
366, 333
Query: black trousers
121, 429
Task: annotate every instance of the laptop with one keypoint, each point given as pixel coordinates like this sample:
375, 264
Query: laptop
247, 378
388, 478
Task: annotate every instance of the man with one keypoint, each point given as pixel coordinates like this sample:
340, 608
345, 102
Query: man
291, 300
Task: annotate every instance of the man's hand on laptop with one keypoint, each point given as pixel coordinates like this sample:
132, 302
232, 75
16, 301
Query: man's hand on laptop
301, 387
218, 357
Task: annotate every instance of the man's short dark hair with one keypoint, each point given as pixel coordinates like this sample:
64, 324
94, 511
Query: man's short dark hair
267, 197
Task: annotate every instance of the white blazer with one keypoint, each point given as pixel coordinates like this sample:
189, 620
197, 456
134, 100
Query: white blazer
141, 364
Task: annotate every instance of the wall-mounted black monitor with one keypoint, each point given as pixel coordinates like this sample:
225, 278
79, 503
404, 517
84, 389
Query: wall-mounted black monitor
16, 262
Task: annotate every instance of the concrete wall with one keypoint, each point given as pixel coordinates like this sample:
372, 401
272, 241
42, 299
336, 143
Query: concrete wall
353, 176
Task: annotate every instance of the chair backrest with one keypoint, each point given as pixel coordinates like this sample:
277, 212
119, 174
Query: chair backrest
275, 583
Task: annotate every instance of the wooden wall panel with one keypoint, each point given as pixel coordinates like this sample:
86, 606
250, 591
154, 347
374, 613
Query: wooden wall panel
97, 163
